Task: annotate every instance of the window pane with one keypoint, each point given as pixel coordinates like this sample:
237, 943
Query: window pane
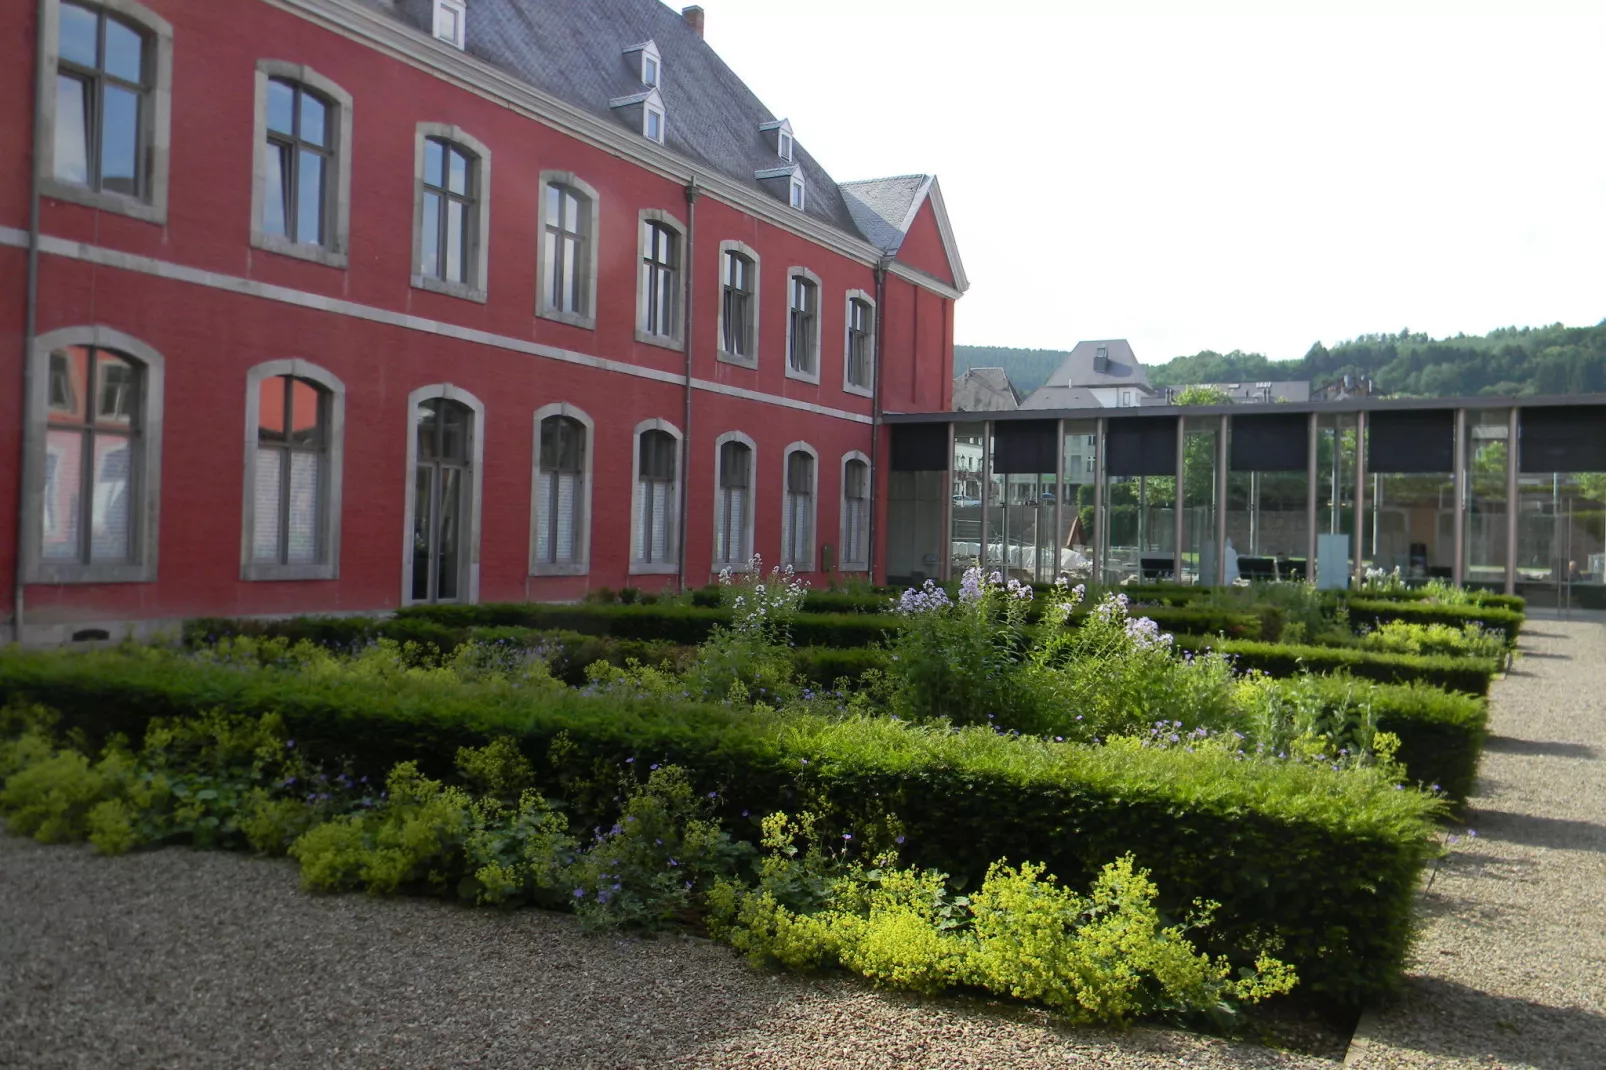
72, 128
454, 439
430, 243
78, 27
423, 545
125, 52
571, 213
119, 141
309, 199
654, 125
543, 530
64, 452
454, 241
276, 195
270, 409
458, 178
570, 298
118, 386
434, 162
109, 529
314, 112
305, 472
451, 521
549, 269
567, 519
306, 414
554, 206
266, 505
281, 107
428, 429
69, 370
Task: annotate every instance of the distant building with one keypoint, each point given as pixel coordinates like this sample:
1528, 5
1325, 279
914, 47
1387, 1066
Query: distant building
1348, 386
1261, 393
1097, 374
985, 390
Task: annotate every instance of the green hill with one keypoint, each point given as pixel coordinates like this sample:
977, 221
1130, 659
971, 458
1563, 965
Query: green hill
1509, 361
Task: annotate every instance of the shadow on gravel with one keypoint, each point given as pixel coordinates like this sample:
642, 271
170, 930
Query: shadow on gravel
1545, 655
1533, 831
1444, 1018
1544, 747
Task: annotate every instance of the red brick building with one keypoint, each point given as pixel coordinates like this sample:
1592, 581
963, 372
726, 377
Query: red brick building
338, 305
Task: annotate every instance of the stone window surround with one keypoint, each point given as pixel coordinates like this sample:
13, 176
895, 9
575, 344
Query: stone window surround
677, 340
732, 246
582, 536
819, 321
157, 114
744, 563
471, 544
335, 253
593, 208
145, 513
671, 566
843, 564
807, 564
848, 386
329, 518
480, 183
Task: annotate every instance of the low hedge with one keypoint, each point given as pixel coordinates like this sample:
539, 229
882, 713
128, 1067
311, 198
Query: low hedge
1326, 862
1466, 674
1372, 612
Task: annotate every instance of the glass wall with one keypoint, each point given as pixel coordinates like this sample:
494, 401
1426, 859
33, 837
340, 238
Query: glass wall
1201, 435
1335, 498
964, 532
1487, 449
1137, 517
1267, 488
1561, 548
1077, 491
914, 526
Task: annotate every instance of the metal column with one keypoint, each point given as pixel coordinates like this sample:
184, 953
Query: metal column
1098, 501
1457, 568
945, 564
1310, 500
986, 490
1512, 445
1358, 569
1059, 494
1176, 549
1221, 500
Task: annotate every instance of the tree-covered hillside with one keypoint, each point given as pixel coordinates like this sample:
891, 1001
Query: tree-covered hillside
1526, 360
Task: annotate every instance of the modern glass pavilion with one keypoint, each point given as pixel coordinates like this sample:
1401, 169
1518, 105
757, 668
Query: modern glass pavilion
1267, 492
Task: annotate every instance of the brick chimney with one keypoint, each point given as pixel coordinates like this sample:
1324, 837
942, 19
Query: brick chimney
694, 18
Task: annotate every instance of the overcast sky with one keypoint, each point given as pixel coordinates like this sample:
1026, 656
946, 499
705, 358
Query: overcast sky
1246, 180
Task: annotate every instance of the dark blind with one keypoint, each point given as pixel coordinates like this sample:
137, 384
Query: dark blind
1141, 446
1566, 438
920, 447
1022, 447
1274, 442
1411, 441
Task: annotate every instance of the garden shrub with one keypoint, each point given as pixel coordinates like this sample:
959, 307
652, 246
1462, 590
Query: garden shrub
1370, 613
1467, 674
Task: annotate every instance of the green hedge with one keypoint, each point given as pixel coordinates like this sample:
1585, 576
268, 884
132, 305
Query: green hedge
1470, 675
1372, 612
1327, 862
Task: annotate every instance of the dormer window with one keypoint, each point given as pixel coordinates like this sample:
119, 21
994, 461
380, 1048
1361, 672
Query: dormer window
649, 70
797, 192
784, 146
643, 112
648, 64
778, 134
654, 125
449, 21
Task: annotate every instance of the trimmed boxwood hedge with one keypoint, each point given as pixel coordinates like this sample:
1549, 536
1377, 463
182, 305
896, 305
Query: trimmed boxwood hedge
1326, 862
1471, 675
1371, 613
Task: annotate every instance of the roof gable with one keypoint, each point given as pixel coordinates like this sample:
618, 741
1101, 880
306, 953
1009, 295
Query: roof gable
904, 216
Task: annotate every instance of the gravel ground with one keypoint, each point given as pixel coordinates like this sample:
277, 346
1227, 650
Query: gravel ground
183, 959
1511, 968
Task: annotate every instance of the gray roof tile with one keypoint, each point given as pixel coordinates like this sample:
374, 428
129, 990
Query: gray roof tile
881, 207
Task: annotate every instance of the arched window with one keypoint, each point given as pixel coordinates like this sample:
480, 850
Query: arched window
738, 306
733, 503
797, 516
106, 109
855, 551
568, 263
453, 212
295, 418
561, 512
803, 325
655, 513
444, 459
301, 205
659, 297
95, 421
858, 366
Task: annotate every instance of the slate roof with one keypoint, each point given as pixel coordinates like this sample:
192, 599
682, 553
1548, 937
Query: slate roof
1067, 386
575, 51
1062, 397
985, 390
882, 207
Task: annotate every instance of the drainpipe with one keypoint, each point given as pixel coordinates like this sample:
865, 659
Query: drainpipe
29, 330
690, 276
875, 417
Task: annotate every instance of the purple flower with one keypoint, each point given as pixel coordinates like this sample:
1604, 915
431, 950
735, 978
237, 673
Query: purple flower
629, 760
290, 744
847, 835
898, 840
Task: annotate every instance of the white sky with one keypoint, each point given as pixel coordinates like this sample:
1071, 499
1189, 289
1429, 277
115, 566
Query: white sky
1250, 179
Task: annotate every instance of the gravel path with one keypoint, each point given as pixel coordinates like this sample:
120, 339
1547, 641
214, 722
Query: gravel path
1511, 968
183, 959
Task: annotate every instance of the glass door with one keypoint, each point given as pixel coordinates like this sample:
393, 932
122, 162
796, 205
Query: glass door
440, 499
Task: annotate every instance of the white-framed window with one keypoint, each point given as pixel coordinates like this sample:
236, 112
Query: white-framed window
803, 324
94, 421
854, 548
655, 508
445, 461
295, 418
301, 200
735, 477
801, 474
797, 192
449, 24
660, 288
738, 307
653, 124
560, 514
567, 270
783, 145
452, 210
858, 362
